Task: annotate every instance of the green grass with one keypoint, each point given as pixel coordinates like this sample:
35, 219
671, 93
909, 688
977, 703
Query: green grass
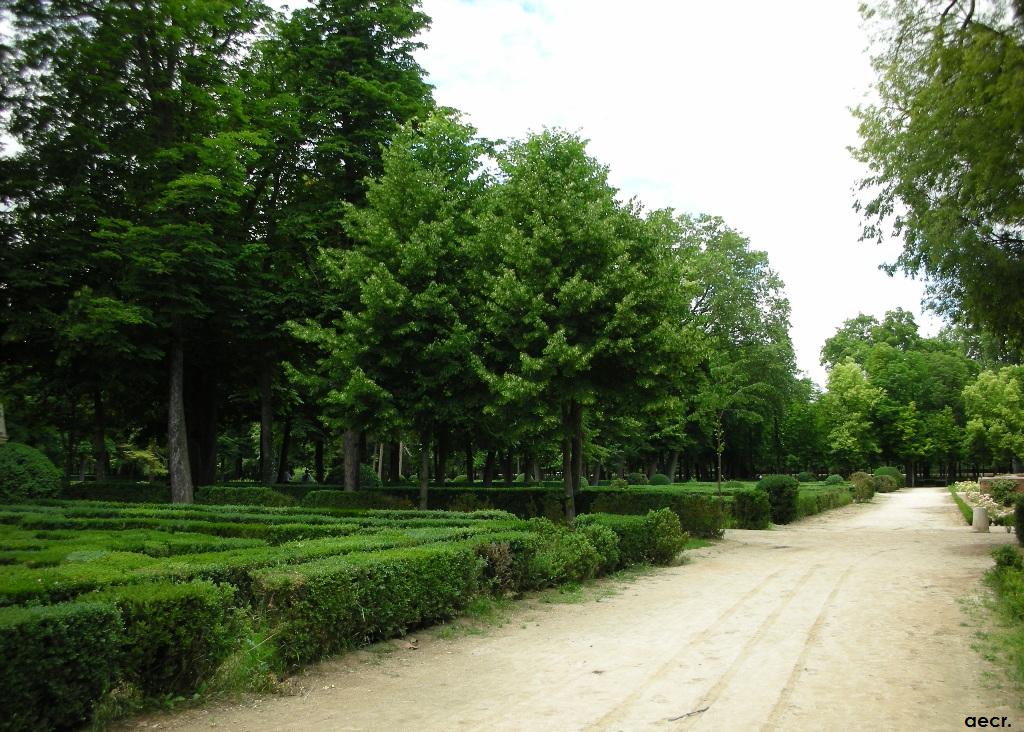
967, 511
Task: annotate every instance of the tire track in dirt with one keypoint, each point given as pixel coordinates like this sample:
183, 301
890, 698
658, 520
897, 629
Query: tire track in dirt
613, 714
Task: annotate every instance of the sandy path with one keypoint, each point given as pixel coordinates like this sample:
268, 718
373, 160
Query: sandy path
844, 621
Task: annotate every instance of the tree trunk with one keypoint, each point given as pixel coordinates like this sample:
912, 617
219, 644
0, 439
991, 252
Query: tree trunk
673, 465
351, 448
441, 458
470, 471
286, 444
424, 469
394, 462
99, 437
508, 467
533, 468
267, 422
177, 434
652, 465
489, 468
318, 459
577, 448
567, 462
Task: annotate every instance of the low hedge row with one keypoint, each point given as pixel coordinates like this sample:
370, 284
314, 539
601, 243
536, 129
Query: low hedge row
119, 490
816, 501
20, 585
321, 607
656, 538
700, 514
60, 659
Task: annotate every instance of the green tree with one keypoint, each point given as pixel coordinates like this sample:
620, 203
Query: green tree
848, 407
943, 146
403, 354
995, 414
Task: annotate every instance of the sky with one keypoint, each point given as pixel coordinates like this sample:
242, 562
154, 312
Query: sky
735, 108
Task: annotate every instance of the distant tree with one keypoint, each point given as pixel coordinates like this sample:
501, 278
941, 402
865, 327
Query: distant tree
995, 414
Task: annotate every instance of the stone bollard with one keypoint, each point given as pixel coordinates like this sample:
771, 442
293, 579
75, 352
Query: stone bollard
980, 521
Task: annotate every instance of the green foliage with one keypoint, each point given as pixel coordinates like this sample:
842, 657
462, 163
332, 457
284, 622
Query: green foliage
1018, 517
751, 509
175, 635
895, 473
994, 404
699, 514
562, 556
941, 142
26, 473
883, 483
834, 480
783, 491
353, 499
863, 487
58, 661
811, 502
806, 477
242, 496
618, 484
606, 542
119, 490
637, 479
654, 538
660, 479
368, 479
332, 604
1004, 491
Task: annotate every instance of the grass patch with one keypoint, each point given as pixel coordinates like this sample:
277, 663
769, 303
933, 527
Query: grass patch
967, 511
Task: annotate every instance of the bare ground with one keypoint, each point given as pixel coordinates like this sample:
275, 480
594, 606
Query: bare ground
849, 620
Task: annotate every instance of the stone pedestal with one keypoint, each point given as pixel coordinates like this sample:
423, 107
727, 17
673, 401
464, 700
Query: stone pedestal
980, 522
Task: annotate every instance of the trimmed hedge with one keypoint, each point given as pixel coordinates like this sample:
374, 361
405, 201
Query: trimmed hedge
783, 493
751, 509
322, 607
655, 538
660, 479
175, 635
351, 499
242, 496
699, 514
57, 662
119, 490
810, 502
26, 473
834, 479
895, 473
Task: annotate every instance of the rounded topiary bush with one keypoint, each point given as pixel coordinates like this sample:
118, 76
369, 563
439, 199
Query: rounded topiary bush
618, 484
637, 479
806, 477
834, 480
783, 491
660, 479
893, 473
25, 472
883, 483
863, 487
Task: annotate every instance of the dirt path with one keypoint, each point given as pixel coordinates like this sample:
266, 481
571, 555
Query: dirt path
845, 621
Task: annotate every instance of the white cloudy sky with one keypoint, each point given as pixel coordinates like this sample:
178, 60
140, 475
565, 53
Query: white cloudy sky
737, 108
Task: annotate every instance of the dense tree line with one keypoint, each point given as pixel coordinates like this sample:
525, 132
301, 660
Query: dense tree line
220, 220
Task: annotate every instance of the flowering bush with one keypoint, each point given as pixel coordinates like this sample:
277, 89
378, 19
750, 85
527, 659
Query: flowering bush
971, 492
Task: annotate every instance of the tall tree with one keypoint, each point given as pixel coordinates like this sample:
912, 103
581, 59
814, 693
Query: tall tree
943, 145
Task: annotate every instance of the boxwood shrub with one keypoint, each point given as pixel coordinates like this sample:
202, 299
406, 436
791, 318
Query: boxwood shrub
806, 477
119, 490
834, 480
895, 473
654, 538
751, 509
352, 499
783, 491
242, 496
699, 514
333, 604
660, 479
58, 661
25, 472
175, 635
